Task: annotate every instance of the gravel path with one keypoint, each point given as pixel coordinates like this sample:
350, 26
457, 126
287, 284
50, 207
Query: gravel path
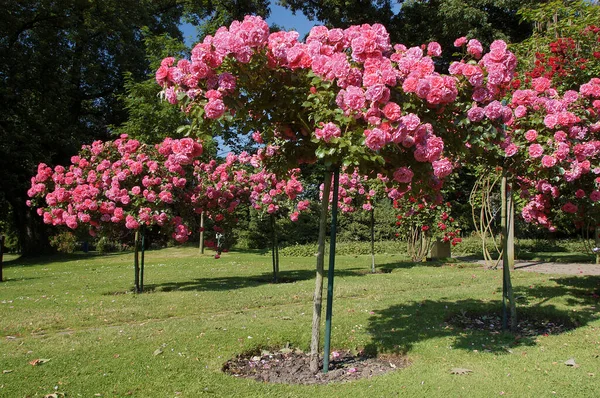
558, 268
544, 267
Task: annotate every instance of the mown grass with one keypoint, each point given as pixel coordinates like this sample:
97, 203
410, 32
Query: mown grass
79, 312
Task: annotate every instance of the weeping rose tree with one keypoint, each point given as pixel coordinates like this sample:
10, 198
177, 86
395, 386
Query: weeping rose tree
274, 197
120, 184
358, 192
219, 190
547, 146
557, 138
344, 97
242, 179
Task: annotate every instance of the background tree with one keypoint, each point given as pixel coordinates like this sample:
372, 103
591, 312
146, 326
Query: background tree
63, 67
415, 22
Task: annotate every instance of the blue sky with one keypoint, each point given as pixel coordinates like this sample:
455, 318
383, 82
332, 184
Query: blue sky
279, 15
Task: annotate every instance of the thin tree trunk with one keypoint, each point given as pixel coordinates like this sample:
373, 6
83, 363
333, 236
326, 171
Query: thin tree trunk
136, 262
274, 251
510, 248
1, 255
372, 240
597, 242
143, 245
318, 296
201, 247
507, 290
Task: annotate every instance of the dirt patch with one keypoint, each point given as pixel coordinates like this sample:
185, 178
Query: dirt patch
289, 366
526, 327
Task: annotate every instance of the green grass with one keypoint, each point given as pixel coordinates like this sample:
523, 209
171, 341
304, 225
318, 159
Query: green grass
79, 312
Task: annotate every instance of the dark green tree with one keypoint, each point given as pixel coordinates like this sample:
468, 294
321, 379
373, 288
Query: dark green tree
63, 69
414, 22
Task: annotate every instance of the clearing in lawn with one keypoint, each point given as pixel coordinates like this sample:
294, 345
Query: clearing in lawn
71, 325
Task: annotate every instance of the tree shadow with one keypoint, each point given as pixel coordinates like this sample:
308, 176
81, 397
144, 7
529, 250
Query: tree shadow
398, 328
577, 290
390, 267
238, 282
55, 258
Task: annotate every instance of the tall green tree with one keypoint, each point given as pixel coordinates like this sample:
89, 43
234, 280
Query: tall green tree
414, 22
63, 68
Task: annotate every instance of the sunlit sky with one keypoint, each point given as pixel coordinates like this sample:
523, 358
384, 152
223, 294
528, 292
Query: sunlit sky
279, 15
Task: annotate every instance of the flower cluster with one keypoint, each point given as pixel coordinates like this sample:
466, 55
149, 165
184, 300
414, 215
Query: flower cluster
121, 182
556, 136
568, 61
372, 83
429, 216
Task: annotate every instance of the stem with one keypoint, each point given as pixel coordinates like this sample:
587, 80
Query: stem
330, 271
274, 249
142, 265
136, 262
202, 232
507, 290
596, 241
318, 296
1, 255
372, 240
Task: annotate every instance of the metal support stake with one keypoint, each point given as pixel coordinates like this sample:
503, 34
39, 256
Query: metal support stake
330, 271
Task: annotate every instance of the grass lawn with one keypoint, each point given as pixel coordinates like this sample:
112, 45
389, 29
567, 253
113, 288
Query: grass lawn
78, 311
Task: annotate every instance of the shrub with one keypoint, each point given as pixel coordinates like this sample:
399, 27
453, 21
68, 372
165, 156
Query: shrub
64, 242
107, 245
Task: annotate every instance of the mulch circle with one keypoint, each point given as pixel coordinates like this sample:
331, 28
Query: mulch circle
526, 326
288, 366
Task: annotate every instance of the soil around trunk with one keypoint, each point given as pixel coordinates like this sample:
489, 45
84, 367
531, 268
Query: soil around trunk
288, 366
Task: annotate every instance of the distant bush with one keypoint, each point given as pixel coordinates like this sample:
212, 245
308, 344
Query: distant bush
64, 242
107, 245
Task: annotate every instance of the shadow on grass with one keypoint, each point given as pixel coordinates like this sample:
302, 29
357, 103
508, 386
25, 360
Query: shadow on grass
398, 328
577, 291
238, 282
389, 267
57, 258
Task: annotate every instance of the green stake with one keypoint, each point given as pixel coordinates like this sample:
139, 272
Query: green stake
142, 265
334, 208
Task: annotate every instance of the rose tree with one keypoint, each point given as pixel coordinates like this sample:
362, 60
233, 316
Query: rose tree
119, 184
343, 97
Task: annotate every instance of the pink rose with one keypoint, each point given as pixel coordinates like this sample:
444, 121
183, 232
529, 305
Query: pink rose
214, 108
511, 150
535, 150
531, 135
461, 41
403, 175
327, 132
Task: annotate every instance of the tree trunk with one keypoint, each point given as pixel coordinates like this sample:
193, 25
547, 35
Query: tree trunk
32, 233
372, 240
318, 296
143, 245
1, 255
510, 248
136, 263
507, 290
201, 232
597, 243
274, 250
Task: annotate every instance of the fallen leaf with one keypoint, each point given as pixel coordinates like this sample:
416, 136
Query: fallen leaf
158, 351
39, 361
460, 371
6, 371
